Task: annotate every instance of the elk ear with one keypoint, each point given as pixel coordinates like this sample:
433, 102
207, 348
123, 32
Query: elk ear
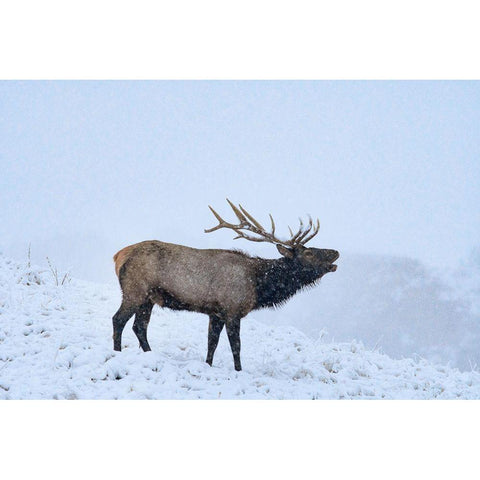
286, 252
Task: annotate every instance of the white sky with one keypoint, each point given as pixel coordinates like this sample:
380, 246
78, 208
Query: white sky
391, 167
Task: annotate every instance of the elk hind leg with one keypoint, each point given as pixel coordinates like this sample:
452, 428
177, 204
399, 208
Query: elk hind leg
215, 327
119, 321
140, 325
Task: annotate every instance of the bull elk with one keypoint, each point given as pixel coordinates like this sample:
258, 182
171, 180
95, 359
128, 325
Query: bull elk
224, 284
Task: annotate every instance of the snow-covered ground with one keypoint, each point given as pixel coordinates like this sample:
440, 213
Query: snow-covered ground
55, 343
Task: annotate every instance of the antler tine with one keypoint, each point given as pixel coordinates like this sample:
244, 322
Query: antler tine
241, 234
222, 223
306, 231
237, 212
217, 216
316, 229
294, 238
273, 223
257, 225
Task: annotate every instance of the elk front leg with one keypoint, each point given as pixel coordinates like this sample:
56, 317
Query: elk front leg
233, 332
215, 327
140, 325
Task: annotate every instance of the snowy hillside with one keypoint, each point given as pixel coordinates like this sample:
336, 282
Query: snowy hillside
55, 342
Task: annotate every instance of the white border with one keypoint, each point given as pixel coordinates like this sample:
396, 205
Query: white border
238, 440
219, 39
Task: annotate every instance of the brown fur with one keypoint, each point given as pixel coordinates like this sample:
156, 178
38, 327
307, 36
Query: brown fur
188, 276
122, 256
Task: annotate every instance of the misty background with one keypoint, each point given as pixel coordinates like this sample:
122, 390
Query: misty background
391, 169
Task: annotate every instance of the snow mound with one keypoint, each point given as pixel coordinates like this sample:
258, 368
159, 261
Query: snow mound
55, 343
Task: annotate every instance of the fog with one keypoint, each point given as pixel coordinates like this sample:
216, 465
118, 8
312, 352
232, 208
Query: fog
391, 169
395, 305
88, 167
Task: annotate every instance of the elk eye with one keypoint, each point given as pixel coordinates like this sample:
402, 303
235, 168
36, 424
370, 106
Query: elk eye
308, 253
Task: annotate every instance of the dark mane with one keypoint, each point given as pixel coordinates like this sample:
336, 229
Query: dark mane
280, 279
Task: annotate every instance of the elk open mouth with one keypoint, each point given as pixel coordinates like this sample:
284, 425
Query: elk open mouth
332, 266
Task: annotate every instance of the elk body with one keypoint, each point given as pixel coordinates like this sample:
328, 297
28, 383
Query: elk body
224, 284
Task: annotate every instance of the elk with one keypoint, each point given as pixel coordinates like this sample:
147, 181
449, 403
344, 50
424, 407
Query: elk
224, 284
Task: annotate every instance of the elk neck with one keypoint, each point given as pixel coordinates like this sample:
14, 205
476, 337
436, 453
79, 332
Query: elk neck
277, 280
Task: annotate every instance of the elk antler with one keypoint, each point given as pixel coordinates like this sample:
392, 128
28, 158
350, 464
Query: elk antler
247, 222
